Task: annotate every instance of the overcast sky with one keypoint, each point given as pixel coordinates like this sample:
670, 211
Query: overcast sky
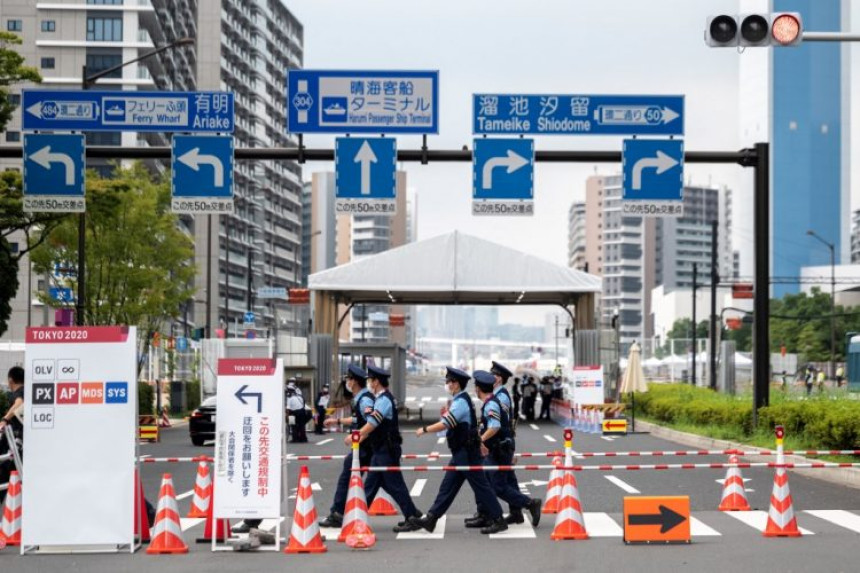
548, 46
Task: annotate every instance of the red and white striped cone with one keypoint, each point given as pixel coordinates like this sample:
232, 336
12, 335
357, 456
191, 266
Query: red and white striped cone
553, 489
734, 494
569, 523
202, 492
10, 531
781, 521
382, 505
356, 507
305, 534
167, 533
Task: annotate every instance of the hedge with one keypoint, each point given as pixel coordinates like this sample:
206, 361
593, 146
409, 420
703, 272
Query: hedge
192, 394
145, 397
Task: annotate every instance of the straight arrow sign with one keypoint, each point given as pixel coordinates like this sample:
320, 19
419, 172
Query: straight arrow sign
365, 156
666, 519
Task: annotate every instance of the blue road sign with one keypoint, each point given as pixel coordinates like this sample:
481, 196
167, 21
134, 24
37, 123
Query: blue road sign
61, 294
249, 317
653, 175
181, 344
503, 169
362, 101
364, 168
70, 110
54, 172
202, 173
553, 114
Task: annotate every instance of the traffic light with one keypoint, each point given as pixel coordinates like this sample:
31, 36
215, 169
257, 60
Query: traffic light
743, 290
396, 320
198, 333
776, 29
298, 296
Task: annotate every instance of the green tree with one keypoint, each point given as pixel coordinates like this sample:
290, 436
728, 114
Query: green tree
139, 263
801, 322
682, 330
12, 71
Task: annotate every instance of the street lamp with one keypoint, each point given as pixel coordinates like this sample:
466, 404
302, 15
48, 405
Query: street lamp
832, 248
86, 82
616, 326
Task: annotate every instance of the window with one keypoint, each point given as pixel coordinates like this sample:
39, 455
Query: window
13, 136
14, 25
104, 29
49, 25
48, 63
15, 99
98, 62
105, 2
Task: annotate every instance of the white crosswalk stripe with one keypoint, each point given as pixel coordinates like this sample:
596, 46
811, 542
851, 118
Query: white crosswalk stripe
418, 487
441, 399
188, 522
699, 529
517, 531
839, 517
622, 484
758, 520
438, 532
324, 442
426, 399
599, 524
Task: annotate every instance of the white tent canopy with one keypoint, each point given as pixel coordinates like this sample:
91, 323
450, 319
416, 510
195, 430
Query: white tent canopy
454, 269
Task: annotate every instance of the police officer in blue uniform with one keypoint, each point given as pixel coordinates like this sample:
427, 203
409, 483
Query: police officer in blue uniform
462, 433
497, 447
362, 406
383, 432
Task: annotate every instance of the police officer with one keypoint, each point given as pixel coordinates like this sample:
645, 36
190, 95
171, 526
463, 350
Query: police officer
383, 432
461, 425
529, 397
546, 389
296, 409
498, 448
502, 374
321, 405
362, 406
15, 379
517, 396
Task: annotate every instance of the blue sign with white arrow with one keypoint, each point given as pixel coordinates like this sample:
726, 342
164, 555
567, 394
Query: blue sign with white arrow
85, 110
570, 114
54, 173
503, 177
653, 172
365, 174
362, 101
202, 174
61, 294
249, 317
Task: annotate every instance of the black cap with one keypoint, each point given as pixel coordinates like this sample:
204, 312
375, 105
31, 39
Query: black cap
457, 375
353, 371
484, 380
501, 371
379, 374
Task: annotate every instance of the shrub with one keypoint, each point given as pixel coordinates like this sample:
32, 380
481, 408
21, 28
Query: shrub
145, 398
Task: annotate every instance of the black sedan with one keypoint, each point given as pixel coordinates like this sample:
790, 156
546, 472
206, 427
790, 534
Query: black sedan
201, 425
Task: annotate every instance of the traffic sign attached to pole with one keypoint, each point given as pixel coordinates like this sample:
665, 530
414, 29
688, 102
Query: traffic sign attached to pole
202, 174
365, 179
653, 177
503, 177
54, 173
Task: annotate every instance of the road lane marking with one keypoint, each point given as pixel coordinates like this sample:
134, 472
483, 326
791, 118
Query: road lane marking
438, 532
607, 438
522, 530
417, 487
182, 496
329, 533
442, 399
599, 524
145, 456
410, 398
699, 529
426, 399
324, 442
757, 519
722, 481
533, 426
548, 438
187, 523
839, 517
441, 440
622, 484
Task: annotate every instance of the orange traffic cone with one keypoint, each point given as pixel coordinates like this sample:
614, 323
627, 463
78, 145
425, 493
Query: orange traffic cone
223, 528
382, 505
569, 523
167, 533
305, 532
553, 489
734, 494
356, 509
141, 517
202, 492
10, 531
780, 517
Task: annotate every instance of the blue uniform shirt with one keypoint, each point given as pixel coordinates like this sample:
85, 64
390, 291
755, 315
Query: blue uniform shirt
364, 401
383, 409
492, 414
503, 397
458, 413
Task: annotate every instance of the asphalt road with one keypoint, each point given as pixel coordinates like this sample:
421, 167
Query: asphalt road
721, 541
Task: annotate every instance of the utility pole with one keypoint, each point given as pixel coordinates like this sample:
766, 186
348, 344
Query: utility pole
715, 279
556, 340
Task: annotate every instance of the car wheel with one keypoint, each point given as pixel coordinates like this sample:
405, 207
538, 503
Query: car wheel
197, 440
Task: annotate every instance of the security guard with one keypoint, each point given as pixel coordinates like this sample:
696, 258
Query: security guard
461, 425
383, 432
362, 406
502, 374
497, 447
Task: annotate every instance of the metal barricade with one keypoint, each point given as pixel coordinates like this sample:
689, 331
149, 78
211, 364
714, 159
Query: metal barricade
14, 454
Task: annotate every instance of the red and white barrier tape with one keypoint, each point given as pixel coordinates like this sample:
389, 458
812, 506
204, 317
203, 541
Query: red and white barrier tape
606, 468
176, 460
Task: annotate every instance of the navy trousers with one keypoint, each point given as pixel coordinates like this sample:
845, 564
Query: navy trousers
391, 482
453, 481
505, 488
340, 493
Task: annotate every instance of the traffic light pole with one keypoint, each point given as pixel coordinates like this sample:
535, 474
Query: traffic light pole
756, 158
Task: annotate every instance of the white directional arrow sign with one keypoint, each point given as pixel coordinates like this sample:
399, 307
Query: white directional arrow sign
512, 162
365, 156
45, 158
194, 159
661, 162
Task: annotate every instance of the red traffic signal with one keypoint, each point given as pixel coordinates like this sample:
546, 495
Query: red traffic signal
396, 320
743, 290
298, 296
775, 29
779, 431
568, 434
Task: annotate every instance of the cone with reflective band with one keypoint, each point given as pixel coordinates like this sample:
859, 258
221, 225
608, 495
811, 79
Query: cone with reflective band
734, 494
569, 522
305, 532
10, 531
202, 492
167, 533
780, 517
362, 537
141, 516
356, 507
382, 505
553, 489
222, 530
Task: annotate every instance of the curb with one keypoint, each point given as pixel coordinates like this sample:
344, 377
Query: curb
848, 477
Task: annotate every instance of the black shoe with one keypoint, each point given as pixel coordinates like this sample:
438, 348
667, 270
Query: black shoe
334, 519
428, 522
405, 521
477, 521
516, 516
534, 508
495, 527
241, 527
407, 526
